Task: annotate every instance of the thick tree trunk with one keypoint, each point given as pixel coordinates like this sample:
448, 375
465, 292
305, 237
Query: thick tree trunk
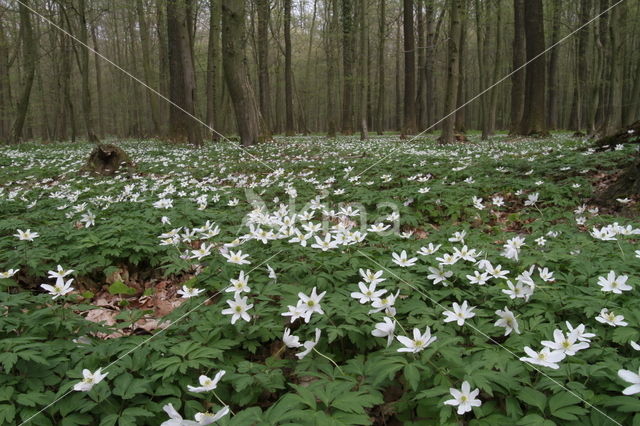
398, 82
495, 73
347, 66
613, 114
146, 64
533, 119
453, 71
421, 104
234, 39
213, 58
288, 70
29, 53
409, 122
583, 68
519, 57
182, 126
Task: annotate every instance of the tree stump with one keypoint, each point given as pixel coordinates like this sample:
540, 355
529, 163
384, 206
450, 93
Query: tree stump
106, 160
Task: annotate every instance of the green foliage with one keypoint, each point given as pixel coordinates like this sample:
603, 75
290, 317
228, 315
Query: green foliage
265, 384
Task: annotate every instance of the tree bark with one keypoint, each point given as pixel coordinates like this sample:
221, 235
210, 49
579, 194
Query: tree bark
450, 97
29, 53
5, 88
288, 70
534, 117
263, 62
331, 19
146, 64
409, 122
552, 76
381, 74
83, 63
213, 57
163, 59
364, 131
583, 68
460, 120
234, 39
347, 66
518, 79
182, 126
97, 60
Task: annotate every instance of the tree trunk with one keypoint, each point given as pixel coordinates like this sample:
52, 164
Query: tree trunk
583, 69
29, 53
613, 113
534, 117
493, 94
460, 119
5, 88
453, 68
381, 75
83, 62
213, 57
398, 100
146, 64
182, 126
347, 66
331, 19
234, 39
97, 60
364, 131
264, 12
518, 79
421, 104
552, 76
288, 70
409, 123
163, 63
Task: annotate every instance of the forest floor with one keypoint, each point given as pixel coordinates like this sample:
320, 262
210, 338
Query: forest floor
198, 261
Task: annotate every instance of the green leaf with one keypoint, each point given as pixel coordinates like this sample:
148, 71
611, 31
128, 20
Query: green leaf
533, 397
119, 287
412, 375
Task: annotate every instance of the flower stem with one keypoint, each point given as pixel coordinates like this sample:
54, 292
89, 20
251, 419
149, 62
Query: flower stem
223, 404
330, 360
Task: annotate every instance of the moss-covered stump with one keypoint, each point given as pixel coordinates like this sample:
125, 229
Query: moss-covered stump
106, 160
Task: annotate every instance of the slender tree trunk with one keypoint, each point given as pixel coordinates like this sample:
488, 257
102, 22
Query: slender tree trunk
5, 88
163, 63
518, 79
100, 96
583, 68
493, 94
29, 53
364, 72
331, 20
83, 62
460, 120
482, 37
421, 104
288, 70
534, 117
450, 97
182, 126
604, 89
409, 124
552, 76
213, 58
430, 99
398, 101
263, 63
234, 39
381, 74
347, 66
146, 64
